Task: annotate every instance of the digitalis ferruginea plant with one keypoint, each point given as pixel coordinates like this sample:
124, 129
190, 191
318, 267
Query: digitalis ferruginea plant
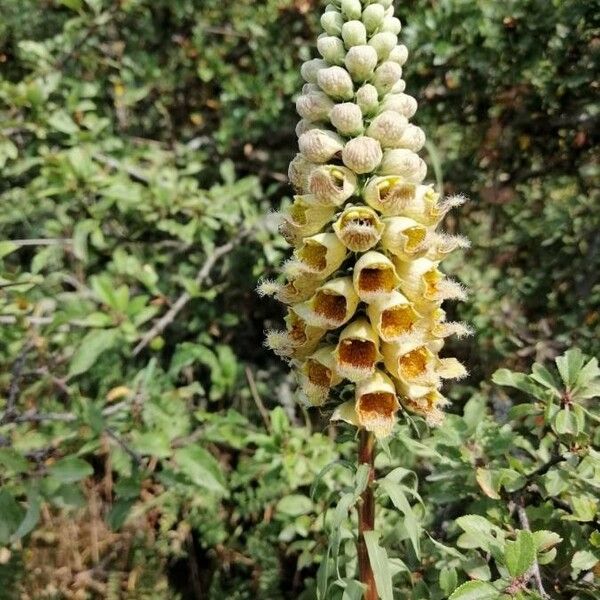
363, 286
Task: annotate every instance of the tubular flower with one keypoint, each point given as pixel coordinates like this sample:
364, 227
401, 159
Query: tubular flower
364, 288
359, 228
318, 375
357, 351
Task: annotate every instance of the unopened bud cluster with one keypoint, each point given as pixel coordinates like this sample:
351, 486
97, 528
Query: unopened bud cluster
363, 288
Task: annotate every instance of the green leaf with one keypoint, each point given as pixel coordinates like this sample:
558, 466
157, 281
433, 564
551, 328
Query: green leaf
32, 516
7, 247
200, 466
72, 4
92, 346
354, 591
61, 121
544, 377
519, 381
379, 563
11, 516
448, 580
13, 461
584, 560
544, 539
520, 554
118, 513
565, 422
475, 590
71, 469
399, 500
569, 365
295, 505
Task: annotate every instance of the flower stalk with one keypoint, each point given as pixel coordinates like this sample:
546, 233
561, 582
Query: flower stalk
366, 513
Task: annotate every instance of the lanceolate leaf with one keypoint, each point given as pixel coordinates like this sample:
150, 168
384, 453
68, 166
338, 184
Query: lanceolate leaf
379, 563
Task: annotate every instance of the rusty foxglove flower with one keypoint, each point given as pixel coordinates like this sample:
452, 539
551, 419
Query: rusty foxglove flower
364, 287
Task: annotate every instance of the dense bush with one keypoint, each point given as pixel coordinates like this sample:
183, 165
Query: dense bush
143, 144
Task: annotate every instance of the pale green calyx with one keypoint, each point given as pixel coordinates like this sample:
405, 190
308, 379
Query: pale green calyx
364, 286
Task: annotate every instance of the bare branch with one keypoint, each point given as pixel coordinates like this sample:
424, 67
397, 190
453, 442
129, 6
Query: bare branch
257, 399
535, 569
185, 297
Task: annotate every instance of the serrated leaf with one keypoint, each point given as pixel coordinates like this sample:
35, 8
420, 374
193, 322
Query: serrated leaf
475, 590
545, 539
569, 365
520, 554
379, 563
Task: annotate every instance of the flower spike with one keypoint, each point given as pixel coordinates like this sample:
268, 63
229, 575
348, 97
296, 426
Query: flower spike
364, 289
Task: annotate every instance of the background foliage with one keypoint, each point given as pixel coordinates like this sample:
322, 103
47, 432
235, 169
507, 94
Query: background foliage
143, 144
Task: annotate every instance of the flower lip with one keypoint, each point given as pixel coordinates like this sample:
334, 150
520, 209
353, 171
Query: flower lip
389, 195
359, 228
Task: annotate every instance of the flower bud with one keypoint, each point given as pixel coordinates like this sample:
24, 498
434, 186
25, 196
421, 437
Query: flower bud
347, 118
361, 62
331, 49
321, 254
387, 75
391, 24
333, 304
394, 318
367, 98
352, 9
413, 138
310, 69
402, 103
354, 34
314, 106
421, 281
318, 376
357, 351
359, 228
399, 54
387, 4
388, 128
308, 88
403, 163
298, 172
383, 42
405, 238
305, 217
336, 82
376, 404
362, 154
320, 145
374, 277
373, 17
332, 185
303, 126
332, 22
